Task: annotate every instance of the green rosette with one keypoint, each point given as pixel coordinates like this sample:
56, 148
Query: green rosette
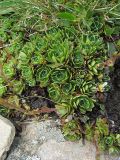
42, 75
71, 130
109, 140
37, 59
83, 102
59, 52
27, 74
3, 88
88, 87
16, 86
55, 93
8, 70
78, 59
60, 76
68, 88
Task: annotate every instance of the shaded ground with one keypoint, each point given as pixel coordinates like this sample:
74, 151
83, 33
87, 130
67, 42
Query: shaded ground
113, 99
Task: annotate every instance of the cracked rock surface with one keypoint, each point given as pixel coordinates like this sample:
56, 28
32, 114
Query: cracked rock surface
44, 141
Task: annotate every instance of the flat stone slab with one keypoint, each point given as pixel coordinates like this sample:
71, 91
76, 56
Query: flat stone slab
53, 150
44, 141
7, 133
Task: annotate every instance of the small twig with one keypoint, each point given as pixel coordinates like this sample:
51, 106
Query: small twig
11, 106
8, 105
5, 46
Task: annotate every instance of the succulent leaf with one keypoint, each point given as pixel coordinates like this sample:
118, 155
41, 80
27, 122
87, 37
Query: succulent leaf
78, 59
37, 59
71, 130
55, 93
60, 76
42, 75
3, 89
8, 70
83, 102
16, 86
59, 52
68, 88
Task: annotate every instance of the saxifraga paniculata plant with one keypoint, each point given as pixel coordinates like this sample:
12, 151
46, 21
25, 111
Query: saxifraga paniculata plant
60, 47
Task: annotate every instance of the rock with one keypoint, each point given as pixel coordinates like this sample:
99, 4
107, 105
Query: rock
66, 151
44, 141
7, 133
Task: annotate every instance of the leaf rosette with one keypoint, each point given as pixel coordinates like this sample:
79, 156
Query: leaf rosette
28, 48
68, 88
88, 87
90, 44
78, 59
54, 92
25, 54
109, 140
42, 75
8, 70
37, 58
60, 76
16, 86
83, 102
59, 52
94, 66
71, 130
63, 109
27, 75
23, 58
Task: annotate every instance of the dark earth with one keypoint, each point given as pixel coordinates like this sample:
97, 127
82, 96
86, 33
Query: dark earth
113, 99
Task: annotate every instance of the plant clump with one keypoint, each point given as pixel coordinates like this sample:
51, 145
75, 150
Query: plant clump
61, 47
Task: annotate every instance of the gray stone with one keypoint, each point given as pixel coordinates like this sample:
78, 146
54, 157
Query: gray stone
53, 150
44, 141
7, 133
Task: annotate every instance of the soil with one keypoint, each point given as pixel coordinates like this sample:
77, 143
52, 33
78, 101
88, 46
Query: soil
113, 99
37, 97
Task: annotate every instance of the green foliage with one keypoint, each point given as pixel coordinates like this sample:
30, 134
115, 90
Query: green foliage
37, 59
100, 134
3, 89
64, 109
83, 103
61, 45
27, 75
16, 86
71, 130
59, 76
43, 75
90, 43
78, 59
59, 52
54, 92
68, 88
101, 127
87, 87
8, 70
4, 111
